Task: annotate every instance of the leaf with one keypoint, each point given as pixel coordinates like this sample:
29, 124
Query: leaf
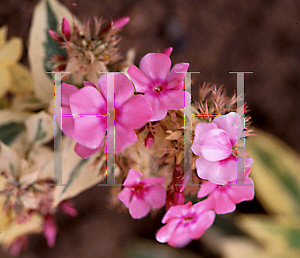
9, 161
9, 132
14, 230
40, 128
21, 79
47, 15
275, 172
278, 236
77, 174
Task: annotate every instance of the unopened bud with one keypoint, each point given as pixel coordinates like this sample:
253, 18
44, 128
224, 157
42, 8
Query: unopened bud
66, 29
55, 36
167, 51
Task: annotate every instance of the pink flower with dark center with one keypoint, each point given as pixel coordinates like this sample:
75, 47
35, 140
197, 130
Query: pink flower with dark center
162, 87
225, 197
185, 223
139, 194
213, 142
89, 105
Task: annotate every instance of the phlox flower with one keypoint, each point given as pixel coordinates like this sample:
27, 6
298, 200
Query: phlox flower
139, 194
213, 142
162, 87
185, 223
89, 104
225, 197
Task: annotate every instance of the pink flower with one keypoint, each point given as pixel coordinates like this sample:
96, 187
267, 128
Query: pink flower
50, 230
66, 29
138, 194
213, 142
162, 87
185, 223
88, 128
224, 197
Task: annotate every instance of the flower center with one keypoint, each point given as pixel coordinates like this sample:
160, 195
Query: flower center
158, 88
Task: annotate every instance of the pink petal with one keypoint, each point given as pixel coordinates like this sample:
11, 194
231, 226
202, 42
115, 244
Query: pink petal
133, 178
138, 207
218, 172
200, 130
123, 88
89, 131
85, 152
164, 233
87, 83
223, 204
156, 66
135, 112
67, 122
141, 82
156, 195
201, 207
153, 180
172, 99
158, 112
201, 224
215, 145
50, 230
66, 91
206, 188
176, 76
180, 236
176, 211
125, 196
124, 137
167, 51
88, 101
232, 124
241, 193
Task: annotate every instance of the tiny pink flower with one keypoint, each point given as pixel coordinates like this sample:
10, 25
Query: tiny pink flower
185, 223
120, 22
88, 128
139, 194
162, 87
225, 197
50, 230
213, 142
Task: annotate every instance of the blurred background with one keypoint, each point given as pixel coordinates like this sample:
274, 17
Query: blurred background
214, 37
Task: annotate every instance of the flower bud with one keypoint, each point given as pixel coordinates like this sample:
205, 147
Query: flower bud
55, 36
66, 29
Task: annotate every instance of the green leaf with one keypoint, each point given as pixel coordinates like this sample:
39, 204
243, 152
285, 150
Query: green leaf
10, 131
275, 172
51, 47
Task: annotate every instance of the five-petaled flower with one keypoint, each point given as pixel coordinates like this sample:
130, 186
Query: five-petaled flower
85, 114
225, 197
138, 194
213, 142
185, 223
162, 87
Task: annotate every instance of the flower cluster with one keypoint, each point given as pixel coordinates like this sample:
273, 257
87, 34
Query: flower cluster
150, 108
111, 108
